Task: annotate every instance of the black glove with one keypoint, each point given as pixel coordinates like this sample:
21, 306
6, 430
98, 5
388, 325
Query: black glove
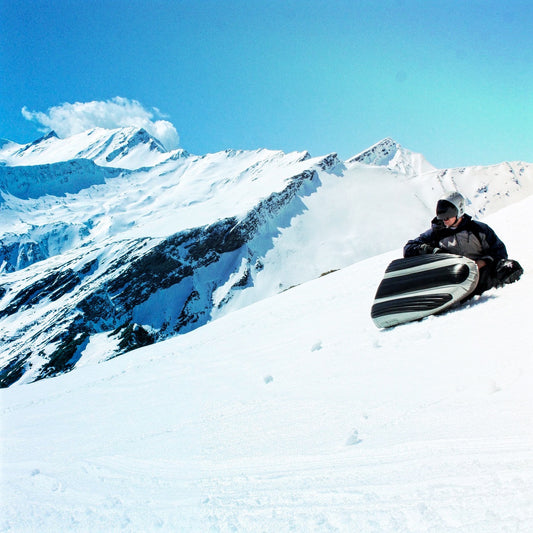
428, 249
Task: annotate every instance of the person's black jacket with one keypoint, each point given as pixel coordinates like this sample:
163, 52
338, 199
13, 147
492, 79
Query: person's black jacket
471, 239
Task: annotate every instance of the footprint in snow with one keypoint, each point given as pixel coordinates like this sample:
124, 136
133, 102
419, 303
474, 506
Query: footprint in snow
353, 438
317, 346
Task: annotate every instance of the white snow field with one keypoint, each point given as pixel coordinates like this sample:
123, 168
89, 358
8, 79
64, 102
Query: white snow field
293, 414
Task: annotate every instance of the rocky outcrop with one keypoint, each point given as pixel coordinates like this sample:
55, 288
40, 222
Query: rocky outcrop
167, 284
20, 250
380, 153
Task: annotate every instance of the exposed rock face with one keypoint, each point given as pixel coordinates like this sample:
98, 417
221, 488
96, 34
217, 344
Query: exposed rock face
167, 283
17, 251
379, 154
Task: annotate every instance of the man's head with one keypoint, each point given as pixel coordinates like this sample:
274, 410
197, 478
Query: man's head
450, 208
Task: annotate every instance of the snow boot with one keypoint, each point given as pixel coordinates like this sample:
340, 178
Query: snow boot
508, 271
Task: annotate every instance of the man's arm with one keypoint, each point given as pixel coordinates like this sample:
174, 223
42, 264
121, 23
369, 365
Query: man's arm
423, 244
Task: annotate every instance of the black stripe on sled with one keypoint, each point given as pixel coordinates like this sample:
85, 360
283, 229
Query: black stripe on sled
419, 281
417, 260
411, 304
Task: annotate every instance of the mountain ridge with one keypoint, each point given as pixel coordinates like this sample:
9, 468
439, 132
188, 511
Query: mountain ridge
130, 147
147, 252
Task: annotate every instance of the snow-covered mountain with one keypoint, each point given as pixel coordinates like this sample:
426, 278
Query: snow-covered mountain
395, 157
107, 233
128, 148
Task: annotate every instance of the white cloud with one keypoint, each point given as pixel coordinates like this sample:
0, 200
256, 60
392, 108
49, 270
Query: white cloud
68, 119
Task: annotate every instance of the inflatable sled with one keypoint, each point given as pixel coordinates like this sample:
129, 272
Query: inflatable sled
416, 287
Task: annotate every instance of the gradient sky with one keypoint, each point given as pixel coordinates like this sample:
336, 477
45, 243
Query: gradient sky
450, 79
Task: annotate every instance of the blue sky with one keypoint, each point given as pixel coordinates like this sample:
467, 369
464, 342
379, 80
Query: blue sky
450, 79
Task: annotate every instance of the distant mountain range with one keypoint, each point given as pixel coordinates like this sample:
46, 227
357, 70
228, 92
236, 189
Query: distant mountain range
108, 233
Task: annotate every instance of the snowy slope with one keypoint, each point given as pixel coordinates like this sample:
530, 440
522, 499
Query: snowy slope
294, 414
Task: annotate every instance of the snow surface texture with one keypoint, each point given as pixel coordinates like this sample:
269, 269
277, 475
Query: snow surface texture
294, 414
291, 411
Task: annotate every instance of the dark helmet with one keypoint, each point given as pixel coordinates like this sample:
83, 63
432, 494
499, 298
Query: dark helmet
451, 205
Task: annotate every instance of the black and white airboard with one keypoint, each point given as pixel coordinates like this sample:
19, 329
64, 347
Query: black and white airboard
416, 287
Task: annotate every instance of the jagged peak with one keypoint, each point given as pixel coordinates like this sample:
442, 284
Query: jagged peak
179, 153
391, 154
378, 154
129, 136
50, 135
28, 147
141, 136
305, 156
386, 142
330, 162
